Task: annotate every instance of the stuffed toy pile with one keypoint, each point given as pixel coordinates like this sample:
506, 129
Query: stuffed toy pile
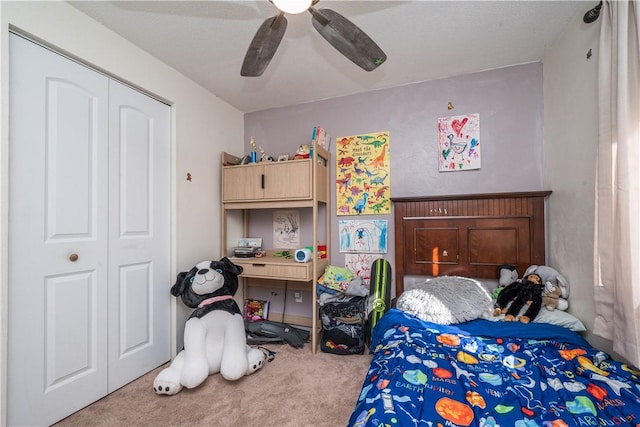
552, 287
513, 297
214, 335
556, 288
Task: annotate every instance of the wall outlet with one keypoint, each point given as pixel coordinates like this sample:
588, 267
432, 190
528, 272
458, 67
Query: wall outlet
298, 296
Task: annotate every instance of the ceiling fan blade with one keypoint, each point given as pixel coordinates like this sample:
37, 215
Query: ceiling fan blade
348, 38
263, 46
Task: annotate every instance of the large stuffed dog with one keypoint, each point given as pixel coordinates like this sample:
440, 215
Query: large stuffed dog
214, 335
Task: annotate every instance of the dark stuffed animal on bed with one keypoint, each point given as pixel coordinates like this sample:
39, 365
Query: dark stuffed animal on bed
214, 335
528, 291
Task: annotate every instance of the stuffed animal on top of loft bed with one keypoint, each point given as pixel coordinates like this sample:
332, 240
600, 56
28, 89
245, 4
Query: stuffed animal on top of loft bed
214, 335
515, 296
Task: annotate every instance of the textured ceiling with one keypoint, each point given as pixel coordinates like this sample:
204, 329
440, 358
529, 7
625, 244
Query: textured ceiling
424, 40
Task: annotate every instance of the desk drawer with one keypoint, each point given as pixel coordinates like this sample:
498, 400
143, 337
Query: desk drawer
299, 271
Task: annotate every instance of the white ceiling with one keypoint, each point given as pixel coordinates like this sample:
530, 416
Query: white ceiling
423, 40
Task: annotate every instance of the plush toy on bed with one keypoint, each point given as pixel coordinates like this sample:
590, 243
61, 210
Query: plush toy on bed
527, 291
556, 292
214, 335
508, 275
551, 297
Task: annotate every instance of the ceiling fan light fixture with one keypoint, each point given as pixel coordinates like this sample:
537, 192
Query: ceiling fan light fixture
345, 36
292, 6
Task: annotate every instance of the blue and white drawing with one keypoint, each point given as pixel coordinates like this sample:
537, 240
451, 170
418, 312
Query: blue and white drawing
363, 236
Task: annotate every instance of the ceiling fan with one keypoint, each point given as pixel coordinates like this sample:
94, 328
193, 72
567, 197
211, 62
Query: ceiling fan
341, 33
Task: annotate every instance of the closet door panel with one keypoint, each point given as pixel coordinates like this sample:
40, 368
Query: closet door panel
56, 350
70, 329
71, 145
139, 227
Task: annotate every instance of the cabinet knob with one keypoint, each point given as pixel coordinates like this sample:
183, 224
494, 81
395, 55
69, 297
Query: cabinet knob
73, 257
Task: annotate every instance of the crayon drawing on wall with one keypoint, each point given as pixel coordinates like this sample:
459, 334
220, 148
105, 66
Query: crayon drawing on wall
459, 142
358, 236
362, 174
360, 265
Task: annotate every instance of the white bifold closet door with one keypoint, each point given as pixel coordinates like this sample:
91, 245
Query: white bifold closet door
89, 235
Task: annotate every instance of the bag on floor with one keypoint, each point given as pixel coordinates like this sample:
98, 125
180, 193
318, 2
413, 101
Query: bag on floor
343, 326
264, 332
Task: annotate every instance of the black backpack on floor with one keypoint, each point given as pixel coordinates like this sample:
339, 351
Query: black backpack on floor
343, 326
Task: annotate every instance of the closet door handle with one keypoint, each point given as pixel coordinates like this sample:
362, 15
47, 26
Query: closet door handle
262, 181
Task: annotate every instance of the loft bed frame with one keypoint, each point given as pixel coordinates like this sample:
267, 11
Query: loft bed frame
468, 235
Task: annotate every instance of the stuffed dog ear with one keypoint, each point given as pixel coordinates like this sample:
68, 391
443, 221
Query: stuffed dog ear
182, 281
231, 267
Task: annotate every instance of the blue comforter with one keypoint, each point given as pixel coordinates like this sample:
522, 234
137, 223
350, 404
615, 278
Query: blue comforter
485, 373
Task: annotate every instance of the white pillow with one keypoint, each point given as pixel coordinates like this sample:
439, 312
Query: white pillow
554, 317
560, 318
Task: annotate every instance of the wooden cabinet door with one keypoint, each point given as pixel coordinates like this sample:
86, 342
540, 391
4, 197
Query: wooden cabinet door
242, 183
288, 180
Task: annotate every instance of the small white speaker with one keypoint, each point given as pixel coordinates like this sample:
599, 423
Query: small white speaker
302, 255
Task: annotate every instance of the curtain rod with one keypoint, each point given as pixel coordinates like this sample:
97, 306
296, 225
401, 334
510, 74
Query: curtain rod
592, 14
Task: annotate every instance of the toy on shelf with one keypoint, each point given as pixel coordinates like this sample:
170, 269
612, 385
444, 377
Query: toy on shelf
303, 152
255, 148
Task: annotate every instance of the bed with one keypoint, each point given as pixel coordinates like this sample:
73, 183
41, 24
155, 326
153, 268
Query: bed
440, 357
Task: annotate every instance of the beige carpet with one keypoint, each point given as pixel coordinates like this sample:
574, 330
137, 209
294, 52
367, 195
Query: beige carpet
295, 389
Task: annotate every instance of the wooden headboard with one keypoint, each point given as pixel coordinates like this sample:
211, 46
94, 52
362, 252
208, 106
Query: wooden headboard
468, 235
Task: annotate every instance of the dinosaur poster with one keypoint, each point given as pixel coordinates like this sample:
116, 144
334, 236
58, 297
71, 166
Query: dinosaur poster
362, 174
459, 141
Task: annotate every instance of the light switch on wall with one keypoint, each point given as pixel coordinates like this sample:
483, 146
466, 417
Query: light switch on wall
298, 296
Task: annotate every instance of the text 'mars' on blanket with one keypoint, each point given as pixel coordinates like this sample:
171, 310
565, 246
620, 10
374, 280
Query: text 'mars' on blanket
483, 373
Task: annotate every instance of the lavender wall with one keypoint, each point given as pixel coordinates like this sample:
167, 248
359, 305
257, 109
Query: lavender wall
510, 104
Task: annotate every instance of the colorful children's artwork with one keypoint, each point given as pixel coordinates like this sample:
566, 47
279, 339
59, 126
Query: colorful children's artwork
362, 174
286, 229
358, 236
360, 264
459, 141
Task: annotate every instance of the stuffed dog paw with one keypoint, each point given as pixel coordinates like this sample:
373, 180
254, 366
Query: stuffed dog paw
214, 335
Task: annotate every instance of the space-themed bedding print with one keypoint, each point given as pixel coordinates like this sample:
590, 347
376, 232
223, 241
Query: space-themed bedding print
483, 373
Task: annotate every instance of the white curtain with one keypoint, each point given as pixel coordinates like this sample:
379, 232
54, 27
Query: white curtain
617, 227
